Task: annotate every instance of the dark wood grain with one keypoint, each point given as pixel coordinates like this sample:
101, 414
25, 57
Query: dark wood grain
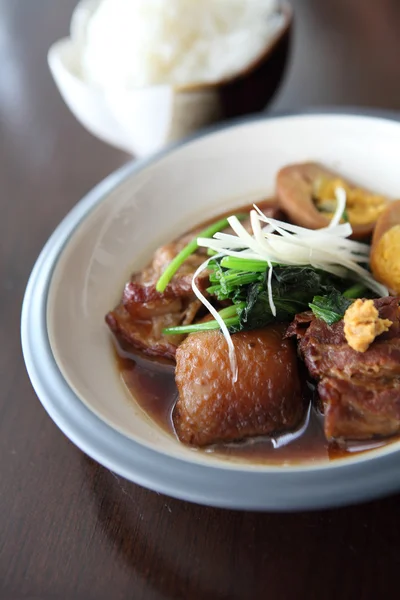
69, 529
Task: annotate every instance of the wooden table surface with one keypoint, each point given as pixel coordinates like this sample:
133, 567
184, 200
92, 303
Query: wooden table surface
69, 529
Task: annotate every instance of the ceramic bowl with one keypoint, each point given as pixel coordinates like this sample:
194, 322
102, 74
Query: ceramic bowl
112, 232
144, 120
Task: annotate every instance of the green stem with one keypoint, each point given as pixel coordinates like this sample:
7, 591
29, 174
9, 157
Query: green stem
232, 310
244, 264
194, 328
228, 314
345, 216
213, 289
189, 249
238, 278
355, 291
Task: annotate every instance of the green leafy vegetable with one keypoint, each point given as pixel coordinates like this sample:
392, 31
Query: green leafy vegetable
294, 289
228, 282
331, 307
244, 283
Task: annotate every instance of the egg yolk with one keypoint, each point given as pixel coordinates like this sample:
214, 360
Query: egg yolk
385, 262
362, 208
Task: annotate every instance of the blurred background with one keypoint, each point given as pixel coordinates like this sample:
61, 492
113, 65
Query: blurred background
341, 54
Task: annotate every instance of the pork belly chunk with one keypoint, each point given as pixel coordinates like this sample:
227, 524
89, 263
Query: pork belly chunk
266, 399
359, 391
360, 408
142, 314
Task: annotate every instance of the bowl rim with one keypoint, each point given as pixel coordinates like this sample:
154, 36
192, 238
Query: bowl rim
284, 8
274, 489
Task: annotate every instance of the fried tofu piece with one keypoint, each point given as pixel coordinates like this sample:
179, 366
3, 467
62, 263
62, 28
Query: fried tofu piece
265, 400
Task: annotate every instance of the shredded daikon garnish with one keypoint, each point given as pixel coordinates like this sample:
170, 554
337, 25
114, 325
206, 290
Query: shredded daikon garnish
340, 194
327, 249
273, 241
270, 295
214, 312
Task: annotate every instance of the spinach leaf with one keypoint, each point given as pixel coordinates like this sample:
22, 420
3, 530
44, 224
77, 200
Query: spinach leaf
330, 307
293, 288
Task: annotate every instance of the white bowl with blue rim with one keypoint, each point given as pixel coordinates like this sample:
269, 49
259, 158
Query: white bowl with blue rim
112, 232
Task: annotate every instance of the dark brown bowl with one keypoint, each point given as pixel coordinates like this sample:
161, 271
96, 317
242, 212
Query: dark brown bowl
174, 112
250, 91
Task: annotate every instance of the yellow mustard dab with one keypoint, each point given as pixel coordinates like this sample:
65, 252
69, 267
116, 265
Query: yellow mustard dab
362, 208
362, 324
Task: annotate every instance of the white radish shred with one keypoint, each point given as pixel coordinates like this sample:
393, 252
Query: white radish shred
259, 235
340, 194
327, 248
270, 295
224, 329
243, 234
342, 230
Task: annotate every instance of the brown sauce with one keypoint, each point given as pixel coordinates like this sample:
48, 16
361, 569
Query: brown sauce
152, 385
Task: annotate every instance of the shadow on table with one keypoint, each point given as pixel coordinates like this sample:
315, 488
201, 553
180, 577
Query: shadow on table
184, 550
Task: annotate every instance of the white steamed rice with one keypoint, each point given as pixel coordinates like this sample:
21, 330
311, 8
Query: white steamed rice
135, 43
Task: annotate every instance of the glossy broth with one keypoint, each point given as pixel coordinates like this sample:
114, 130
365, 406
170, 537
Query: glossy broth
152, 385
